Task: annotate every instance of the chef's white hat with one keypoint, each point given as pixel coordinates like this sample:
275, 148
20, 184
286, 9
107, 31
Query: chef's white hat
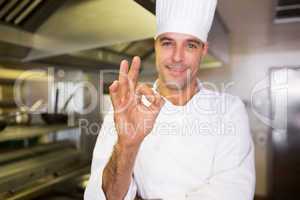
193, 17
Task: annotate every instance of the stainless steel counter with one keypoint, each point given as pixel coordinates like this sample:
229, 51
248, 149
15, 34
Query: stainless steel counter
28, 173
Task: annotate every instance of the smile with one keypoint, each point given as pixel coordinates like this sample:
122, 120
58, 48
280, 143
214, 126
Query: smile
176, 70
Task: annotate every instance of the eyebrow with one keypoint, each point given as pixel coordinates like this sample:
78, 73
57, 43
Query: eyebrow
195, 41
164, 38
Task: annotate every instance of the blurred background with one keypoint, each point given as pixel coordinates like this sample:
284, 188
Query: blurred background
58, 57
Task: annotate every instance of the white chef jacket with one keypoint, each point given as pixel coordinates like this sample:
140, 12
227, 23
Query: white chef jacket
200, 151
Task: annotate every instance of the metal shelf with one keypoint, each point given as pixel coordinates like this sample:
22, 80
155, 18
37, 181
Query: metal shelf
24, 132
40, 149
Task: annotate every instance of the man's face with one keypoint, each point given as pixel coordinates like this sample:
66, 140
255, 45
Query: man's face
178, 57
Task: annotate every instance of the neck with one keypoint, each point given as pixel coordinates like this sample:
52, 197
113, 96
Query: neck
178, 97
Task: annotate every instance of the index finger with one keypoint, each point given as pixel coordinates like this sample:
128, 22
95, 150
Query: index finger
123, 76
133, 73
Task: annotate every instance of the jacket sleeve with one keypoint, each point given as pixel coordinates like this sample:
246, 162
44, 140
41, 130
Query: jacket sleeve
101, 155
233, 176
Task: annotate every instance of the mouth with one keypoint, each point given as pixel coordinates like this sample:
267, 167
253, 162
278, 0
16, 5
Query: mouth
176, 69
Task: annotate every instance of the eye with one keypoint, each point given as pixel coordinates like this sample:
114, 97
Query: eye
166, 43
192, 46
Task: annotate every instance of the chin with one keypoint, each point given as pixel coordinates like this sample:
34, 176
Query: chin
176, 84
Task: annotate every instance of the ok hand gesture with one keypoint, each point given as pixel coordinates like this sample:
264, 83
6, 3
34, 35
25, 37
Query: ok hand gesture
133, 120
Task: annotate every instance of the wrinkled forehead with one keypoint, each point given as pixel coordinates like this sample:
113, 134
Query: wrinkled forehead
177, 37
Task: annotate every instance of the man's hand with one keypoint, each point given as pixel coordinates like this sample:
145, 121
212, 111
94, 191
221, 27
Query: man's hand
133, 120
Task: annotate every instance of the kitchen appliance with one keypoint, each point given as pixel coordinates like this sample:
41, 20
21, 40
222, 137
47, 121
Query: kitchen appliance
284, 163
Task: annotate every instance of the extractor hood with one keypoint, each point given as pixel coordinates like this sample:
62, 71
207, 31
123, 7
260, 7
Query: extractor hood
93, 33
287, 11
82, 25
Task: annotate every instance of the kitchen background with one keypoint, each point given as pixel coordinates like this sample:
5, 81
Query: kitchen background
57, 58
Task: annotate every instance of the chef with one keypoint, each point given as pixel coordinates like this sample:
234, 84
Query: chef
176, 140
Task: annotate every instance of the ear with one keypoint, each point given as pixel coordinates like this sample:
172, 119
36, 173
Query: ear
205, 49
155, 42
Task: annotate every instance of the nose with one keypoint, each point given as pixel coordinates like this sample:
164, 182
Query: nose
178, 53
